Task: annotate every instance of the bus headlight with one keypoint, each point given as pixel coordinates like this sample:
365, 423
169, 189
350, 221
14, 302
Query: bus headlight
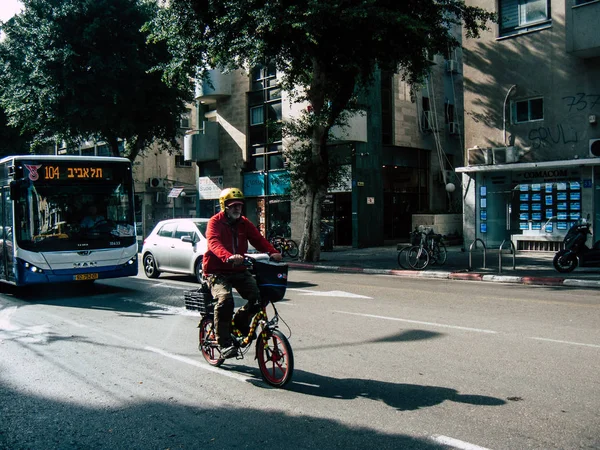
33, 268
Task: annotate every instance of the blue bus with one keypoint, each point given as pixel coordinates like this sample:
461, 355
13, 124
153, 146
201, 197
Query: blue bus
66, 219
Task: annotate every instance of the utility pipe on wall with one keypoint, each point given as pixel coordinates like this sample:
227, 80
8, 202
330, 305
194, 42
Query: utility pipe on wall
504, 114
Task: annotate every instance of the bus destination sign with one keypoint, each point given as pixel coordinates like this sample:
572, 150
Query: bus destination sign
49, 172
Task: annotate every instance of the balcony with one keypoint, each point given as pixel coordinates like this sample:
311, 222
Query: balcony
204, 145
217, 86
583, 17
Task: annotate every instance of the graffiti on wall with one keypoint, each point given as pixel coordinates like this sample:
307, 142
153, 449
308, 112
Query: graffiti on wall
568, 131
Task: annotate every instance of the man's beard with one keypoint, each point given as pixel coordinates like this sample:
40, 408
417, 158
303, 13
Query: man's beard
231, 215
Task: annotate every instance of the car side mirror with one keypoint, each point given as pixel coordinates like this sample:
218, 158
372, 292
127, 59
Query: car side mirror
187, 239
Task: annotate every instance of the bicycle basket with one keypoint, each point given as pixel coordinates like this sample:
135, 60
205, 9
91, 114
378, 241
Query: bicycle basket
200, 300
271, 279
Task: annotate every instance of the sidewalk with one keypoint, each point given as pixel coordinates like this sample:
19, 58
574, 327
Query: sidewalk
533, 268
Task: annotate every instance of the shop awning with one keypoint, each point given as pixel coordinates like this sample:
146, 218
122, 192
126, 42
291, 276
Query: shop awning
528, 166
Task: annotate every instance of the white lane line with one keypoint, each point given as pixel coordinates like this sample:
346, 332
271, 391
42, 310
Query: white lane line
565, 342
203, 366
433, 324
455, 443
328, 293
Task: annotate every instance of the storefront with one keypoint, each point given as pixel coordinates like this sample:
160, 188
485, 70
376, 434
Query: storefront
531, 204
267, 201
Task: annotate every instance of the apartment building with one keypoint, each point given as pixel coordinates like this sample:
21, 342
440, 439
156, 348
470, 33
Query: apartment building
532, 106
399, 153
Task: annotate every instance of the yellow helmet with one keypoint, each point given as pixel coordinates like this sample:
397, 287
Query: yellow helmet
230, 194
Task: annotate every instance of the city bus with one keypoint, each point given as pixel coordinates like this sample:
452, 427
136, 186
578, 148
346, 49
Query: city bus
47, 235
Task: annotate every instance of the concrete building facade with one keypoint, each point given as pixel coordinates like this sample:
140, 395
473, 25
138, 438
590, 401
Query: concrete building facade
400, 153
532, 106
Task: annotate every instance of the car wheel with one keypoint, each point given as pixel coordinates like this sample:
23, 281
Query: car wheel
150, 266
198, 271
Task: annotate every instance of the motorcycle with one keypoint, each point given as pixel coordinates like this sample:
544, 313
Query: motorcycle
576, 252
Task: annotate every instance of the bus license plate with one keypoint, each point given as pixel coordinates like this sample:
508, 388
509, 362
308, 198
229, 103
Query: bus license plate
86, 276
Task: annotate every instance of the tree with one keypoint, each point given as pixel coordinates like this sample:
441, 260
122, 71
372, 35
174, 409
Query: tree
75, 70
325, 49
11, 140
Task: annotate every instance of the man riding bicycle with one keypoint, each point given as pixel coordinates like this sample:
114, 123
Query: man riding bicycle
228, 234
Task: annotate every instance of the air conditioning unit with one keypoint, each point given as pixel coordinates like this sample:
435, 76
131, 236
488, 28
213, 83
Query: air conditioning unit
479, 156
156, 183
505, 155
453, 128
427, 121
451, 66
594, 148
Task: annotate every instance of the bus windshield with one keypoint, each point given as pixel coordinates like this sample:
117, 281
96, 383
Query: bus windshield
72, 206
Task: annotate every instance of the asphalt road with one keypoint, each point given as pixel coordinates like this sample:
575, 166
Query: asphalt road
381, 362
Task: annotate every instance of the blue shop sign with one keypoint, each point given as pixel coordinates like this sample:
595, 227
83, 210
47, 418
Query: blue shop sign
279, 183
254, 184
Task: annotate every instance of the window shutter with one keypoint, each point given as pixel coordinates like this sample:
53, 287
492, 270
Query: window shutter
509, 14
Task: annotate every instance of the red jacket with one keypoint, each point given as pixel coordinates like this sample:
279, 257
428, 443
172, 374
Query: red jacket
220, 236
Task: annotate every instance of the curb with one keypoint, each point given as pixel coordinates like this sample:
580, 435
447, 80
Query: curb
464, 276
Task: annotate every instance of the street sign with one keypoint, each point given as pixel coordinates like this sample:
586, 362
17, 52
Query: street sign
175, 192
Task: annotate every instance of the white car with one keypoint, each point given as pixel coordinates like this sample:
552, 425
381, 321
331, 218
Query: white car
175, 246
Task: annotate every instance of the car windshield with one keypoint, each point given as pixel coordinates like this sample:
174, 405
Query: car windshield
202, 227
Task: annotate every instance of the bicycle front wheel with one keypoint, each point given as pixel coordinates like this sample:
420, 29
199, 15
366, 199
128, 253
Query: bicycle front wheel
291, 248
418, 258
403, 258
275, 358
440, 254
208, 342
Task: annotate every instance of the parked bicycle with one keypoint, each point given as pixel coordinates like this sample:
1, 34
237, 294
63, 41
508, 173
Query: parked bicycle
427, 248
284, 245
272, 349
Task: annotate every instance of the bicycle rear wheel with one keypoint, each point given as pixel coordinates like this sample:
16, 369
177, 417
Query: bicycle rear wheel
418, 257
291, 248
275, 358
208, 342
440, 254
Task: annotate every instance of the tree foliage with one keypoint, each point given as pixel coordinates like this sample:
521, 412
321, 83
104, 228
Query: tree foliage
325, 50
12, 142
81, 69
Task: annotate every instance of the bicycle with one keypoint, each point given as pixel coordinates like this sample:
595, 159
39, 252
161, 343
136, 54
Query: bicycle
284, 246
431, 250
272, 349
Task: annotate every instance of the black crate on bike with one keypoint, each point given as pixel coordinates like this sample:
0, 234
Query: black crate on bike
200, 300
271, 279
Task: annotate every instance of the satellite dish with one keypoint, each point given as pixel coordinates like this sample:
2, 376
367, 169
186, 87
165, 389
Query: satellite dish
450, 187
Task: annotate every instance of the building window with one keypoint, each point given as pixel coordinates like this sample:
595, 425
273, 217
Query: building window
264, 108
257, 115
528, 110
517, 16
185, 121
181, 162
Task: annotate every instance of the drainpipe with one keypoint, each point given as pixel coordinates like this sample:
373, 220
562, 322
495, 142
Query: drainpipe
504, 114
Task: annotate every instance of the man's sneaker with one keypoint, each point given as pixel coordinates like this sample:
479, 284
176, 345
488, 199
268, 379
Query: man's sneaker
229, 352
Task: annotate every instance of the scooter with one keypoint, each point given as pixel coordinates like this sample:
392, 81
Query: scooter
575, 252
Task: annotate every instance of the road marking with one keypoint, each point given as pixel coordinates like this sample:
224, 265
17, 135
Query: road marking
203, 366
433, 324
328, 293
565, 342
455, 443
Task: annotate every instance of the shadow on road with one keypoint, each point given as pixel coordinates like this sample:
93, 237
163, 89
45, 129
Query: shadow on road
34, 422
401, 396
